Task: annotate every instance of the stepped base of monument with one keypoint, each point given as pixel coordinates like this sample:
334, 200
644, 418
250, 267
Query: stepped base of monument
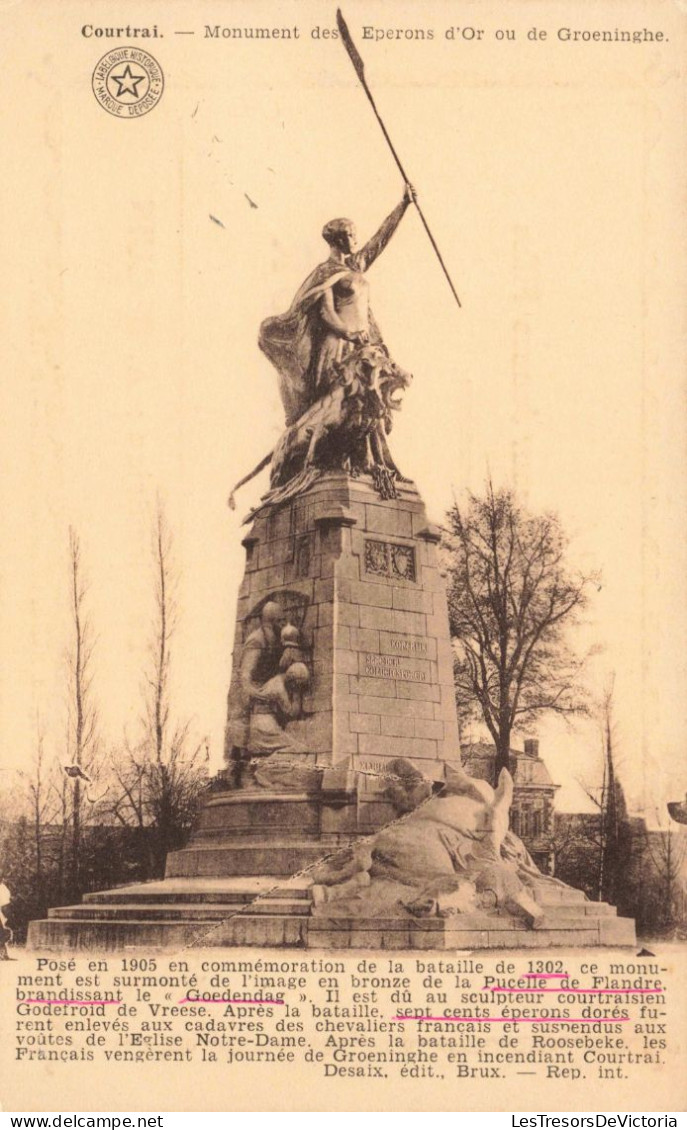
178, 913
469, 932
252, 832
241, 859
256, 911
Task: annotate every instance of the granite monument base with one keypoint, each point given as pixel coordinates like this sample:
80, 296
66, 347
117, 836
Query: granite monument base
199, 913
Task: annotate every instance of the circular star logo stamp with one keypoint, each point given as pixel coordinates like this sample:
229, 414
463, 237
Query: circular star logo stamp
128, 82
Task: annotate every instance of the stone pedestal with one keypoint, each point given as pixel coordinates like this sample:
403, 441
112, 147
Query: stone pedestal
266, 912
358, 576
258, 832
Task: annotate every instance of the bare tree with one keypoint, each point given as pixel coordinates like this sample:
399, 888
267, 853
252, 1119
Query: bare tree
42, 793
512, 599
82, 739
609, 835
65, 816
614, 807
160, 778
164, 623
666, 853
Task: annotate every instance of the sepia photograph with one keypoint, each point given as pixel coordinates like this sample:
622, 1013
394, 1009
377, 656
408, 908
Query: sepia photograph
343, 576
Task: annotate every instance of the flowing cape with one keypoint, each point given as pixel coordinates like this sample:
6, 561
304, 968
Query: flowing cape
288, 340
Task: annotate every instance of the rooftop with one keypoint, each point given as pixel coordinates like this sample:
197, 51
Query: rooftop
529, 769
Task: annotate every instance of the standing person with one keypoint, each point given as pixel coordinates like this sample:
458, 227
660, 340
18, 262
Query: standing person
5, 931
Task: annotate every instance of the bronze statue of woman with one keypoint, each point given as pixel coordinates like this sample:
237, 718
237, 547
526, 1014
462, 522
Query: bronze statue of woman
330, 315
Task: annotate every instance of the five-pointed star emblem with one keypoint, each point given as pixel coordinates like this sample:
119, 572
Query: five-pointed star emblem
127, 83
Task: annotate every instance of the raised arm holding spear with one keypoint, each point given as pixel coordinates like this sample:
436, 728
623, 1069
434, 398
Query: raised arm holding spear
328, 341
359, 69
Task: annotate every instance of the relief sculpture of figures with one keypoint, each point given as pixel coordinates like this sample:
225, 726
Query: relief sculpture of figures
336, 377
273, 706
272, 677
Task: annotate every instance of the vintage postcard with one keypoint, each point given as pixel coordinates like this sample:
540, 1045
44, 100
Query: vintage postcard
343, 599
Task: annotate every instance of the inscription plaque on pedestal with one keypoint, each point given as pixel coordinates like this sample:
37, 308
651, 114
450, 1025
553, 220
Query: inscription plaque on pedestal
393, 667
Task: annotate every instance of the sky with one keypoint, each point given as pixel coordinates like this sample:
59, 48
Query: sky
551, 175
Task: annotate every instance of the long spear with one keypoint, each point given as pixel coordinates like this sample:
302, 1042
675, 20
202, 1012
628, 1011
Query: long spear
359, 69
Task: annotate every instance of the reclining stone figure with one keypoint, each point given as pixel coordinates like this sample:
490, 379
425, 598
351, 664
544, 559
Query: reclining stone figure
452, 854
